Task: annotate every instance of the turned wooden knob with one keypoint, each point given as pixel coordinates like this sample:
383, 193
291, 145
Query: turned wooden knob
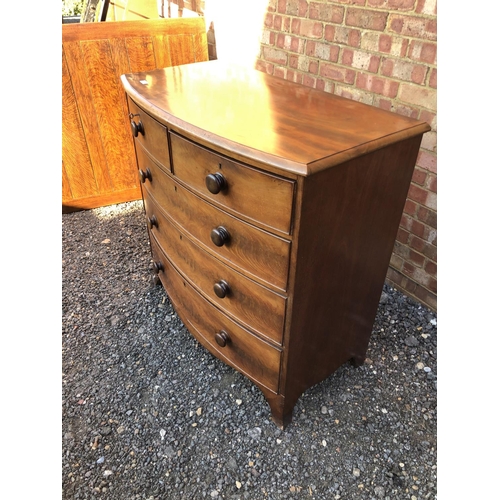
221, 289
137, 127
153, 221
145, 175
215, 183
219, 236
157, 266
222, 338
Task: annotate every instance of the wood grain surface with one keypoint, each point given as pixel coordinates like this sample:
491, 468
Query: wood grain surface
244, 351
258, 254
250, 194
264, 120
97, 148
252, 304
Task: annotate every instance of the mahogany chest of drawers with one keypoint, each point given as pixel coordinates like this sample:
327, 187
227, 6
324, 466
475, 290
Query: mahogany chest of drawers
272, 212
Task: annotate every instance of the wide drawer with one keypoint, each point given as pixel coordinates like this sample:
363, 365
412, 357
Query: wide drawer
252, 251
153, 136
254, 195
241, 298
244, 351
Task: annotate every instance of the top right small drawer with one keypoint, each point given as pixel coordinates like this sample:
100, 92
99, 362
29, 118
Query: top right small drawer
249, 193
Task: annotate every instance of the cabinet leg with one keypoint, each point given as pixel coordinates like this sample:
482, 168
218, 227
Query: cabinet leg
357, 361
280, 419
281, 410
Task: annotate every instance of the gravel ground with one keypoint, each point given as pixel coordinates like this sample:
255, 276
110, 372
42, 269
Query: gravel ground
147, 413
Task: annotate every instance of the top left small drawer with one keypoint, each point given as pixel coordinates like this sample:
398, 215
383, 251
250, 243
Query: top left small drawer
151, 134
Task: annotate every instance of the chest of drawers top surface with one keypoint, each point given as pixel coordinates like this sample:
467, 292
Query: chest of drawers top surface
263, 119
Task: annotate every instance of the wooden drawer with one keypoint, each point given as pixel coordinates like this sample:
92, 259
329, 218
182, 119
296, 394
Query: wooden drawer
153, 136
252, 251
254, 195
255, 358
252, 304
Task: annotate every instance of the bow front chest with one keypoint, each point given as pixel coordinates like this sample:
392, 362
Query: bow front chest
272, 210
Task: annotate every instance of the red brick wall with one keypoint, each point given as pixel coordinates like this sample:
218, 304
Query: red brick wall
383, 53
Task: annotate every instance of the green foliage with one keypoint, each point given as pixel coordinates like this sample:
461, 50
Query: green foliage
72, 7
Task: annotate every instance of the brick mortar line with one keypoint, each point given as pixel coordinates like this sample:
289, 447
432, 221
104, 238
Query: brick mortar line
420, 221
351, 47
407, 245
369, 73
353, 85
341, 47
407, 13
364, 30
407, 292
390, 12
426, 259
382, 54
420, 204
365, 72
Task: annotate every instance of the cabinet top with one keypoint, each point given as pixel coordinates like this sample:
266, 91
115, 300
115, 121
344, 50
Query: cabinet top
264, 119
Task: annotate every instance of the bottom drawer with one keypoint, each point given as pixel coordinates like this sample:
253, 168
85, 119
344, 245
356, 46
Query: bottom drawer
239, 348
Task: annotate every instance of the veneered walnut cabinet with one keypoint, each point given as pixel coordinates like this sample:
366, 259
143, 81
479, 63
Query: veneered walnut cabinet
272, 212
